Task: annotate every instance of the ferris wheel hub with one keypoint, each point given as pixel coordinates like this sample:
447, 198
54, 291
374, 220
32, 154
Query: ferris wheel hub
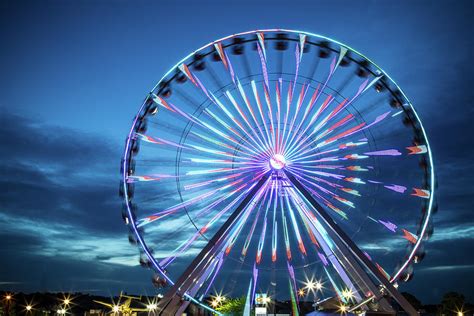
277, 162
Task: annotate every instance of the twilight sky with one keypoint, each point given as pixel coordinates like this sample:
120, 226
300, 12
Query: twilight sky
74, 73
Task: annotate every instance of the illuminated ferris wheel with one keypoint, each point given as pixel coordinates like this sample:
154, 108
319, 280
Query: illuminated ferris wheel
278, 162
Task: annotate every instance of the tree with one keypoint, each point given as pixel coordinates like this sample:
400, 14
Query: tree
451, 303
412, 300
232, 306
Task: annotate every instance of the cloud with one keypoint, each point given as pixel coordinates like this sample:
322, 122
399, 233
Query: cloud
447, 268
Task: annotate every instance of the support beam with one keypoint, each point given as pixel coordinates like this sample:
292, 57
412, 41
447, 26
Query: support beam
171, 302
350, 244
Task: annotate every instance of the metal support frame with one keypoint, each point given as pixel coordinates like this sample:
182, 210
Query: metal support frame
352, 247
170, 304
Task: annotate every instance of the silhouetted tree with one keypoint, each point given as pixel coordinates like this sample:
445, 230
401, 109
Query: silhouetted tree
451, 303
416, 303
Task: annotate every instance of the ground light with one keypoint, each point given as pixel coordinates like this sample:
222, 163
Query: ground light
151, 307
347, 294
312, 285
343, 309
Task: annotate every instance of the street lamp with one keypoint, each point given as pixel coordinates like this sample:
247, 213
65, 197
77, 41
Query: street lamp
319, 286
343, 309
347, 294
312, 285
8, 297
152, 306
115, 309
301, 292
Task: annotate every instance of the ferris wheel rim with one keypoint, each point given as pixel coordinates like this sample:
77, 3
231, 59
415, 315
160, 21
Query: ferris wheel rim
426, 216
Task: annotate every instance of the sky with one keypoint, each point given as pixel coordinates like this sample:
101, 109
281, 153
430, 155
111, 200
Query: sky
73, 74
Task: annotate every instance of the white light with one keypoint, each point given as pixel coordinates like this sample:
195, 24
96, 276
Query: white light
151, 306
277, 162
343, 308
347, 294
311, 285
66, 301
29, 307
116, 308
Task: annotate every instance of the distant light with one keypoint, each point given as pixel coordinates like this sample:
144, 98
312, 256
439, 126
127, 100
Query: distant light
160, 295
214, 303
116, 308
301, 292
347, 294
8, 297
460, 313
29, 307
152, 306
311, 285
219, 298
277, 162
66, 301
268, 299
343, 309
62, 311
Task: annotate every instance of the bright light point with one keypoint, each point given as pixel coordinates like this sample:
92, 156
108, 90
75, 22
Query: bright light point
62, 311
343, 308
277, 162
460, 314
67, 301
214, 303
301, 292
347, 294
151, 307
160, 295
116, 308
29, 307
311, 285
8, 297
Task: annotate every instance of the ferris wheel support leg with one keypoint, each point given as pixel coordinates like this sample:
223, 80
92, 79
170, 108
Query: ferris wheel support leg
350, 244
361, 278
171, 302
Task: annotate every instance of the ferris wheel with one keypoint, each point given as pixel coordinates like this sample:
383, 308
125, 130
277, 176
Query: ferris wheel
278, 162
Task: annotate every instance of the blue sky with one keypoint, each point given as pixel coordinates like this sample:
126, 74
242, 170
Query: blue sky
74, 73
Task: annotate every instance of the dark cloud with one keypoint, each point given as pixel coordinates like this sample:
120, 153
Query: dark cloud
58, 174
